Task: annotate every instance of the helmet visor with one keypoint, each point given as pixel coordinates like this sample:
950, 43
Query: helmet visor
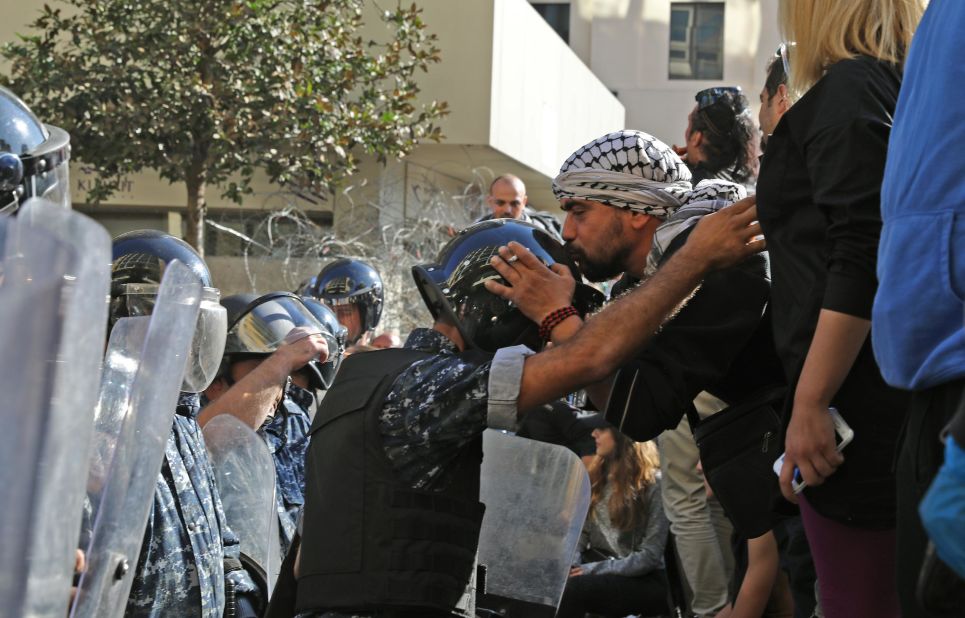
48, 169
207, 346
263, 327
208, 343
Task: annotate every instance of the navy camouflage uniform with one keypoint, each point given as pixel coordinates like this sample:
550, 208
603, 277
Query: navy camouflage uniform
438, 406
181, 568
287, 437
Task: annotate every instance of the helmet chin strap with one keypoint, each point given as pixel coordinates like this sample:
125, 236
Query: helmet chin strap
451, 332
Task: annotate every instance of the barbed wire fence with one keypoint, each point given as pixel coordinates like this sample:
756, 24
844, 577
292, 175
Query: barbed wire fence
285, 236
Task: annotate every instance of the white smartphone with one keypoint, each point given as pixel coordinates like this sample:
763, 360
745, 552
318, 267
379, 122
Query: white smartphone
842, 438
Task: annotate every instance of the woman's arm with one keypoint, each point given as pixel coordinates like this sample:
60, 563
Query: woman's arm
810, 444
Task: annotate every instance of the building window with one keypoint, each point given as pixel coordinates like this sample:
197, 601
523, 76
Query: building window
557, 15
697, 40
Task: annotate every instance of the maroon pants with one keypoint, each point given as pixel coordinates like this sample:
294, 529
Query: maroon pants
855, 567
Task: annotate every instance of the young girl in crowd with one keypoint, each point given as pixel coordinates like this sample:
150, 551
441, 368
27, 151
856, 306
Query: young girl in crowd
819, 207
621, 571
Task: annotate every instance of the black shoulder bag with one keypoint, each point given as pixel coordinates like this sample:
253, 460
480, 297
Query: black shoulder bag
738, 447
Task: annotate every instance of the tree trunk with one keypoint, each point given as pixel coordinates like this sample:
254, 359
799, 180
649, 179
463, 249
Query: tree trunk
197, 211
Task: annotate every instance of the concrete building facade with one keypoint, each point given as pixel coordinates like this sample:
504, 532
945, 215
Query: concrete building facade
655, 55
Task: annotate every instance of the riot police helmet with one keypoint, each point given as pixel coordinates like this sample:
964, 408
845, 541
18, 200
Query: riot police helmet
140, 259
339, 334
355, 283
452, 287
264, 324
306, 287
34, 157
235, 305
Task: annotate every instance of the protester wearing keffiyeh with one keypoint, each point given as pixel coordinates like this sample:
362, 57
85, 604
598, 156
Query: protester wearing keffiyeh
636, 171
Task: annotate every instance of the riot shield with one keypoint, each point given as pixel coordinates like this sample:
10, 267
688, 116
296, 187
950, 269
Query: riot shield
245, 473
143, 400
75, 389
537, 496
121, 363
55, 280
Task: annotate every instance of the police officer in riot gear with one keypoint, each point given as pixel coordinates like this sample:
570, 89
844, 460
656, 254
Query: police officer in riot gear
189, 560
33, 157
420, 412
392, 528
354, 291
277, 356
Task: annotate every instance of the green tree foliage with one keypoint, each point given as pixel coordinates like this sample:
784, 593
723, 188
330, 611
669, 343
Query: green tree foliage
206, 91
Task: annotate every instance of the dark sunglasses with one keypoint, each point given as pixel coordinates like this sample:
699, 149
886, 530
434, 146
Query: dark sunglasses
730, 95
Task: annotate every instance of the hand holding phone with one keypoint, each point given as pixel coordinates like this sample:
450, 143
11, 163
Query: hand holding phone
842, 437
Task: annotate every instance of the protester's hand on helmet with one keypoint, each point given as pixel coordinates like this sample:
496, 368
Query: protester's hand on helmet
725, 237
536, 289
810, 447
302, 346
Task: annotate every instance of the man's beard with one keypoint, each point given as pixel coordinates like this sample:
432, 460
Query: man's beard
602, 268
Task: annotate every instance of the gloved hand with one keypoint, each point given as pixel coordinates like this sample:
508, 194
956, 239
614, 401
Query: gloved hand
943, 509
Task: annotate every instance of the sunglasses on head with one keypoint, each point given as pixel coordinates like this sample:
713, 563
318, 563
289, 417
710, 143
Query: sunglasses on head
783, 52
709, 97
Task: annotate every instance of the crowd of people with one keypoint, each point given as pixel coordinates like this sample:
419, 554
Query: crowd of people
634, 334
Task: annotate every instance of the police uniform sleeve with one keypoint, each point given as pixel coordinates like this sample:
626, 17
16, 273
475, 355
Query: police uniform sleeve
439, 405
505, 375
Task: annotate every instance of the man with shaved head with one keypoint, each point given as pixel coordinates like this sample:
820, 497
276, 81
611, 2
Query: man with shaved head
507, 200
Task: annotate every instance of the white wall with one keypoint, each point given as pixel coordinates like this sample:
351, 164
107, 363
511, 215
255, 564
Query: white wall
626, 43
545, 101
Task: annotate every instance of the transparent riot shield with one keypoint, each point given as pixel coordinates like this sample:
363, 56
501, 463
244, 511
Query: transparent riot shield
537, 496
74, 393
33, 284
245, 473
121, 362
143, 400
54, 281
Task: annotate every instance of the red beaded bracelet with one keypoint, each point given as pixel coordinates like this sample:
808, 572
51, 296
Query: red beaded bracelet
554, 319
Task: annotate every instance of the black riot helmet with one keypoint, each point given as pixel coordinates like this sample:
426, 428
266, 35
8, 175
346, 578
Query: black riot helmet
340, 334
262, 325
139, 261
236, 304
453, 287
351, 282
33, 157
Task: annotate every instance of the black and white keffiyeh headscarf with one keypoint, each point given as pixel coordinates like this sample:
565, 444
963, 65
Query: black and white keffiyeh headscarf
626, 169
635, 170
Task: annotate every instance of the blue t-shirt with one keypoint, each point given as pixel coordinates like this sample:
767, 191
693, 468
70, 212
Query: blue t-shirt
919, 310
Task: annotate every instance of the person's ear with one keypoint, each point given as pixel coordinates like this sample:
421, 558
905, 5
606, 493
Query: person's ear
638, 220
695, 139
784, 98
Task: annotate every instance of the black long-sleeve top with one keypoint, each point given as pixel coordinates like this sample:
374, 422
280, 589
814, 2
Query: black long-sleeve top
819, 205
718, 342
819, 200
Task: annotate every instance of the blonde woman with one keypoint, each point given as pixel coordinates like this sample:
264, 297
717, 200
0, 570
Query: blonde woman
819, 207
621, 571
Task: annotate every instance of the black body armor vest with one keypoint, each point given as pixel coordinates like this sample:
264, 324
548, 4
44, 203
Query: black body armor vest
370, 542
